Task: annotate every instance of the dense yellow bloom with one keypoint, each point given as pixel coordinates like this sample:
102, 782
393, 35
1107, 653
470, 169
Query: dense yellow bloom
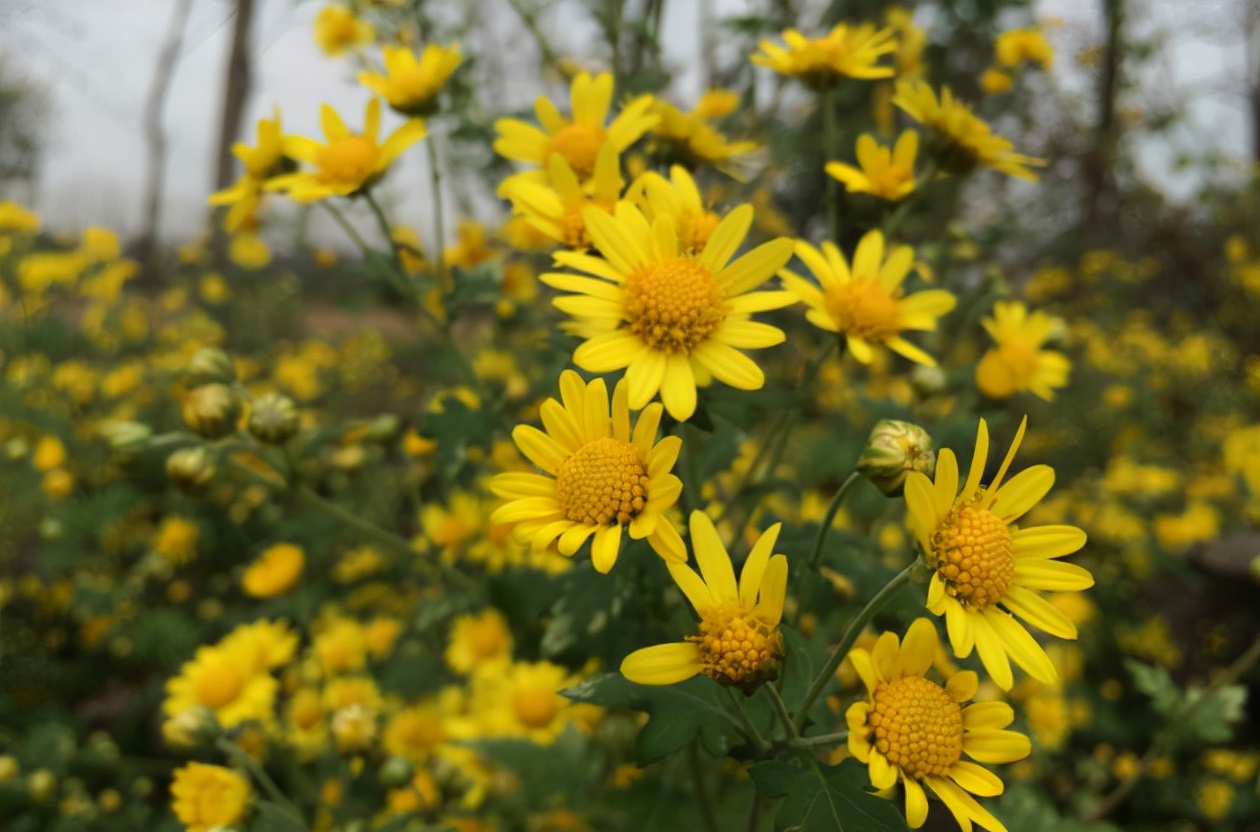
578, 139
986, 567
275, 572
914, 730
882, 172
865, 303
337, 30
14, 217
340, 646
306, 724
974, 140
690, 138
603, 476
739, 643
416, 733
852, 51
555, 208
38, 272
477, 641
677, 198
411, 86
207, 797
348, 162
1240, 455
1023, 46
672, 320
1018, 362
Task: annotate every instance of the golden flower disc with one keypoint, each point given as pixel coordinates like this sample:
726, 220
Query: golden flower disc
863, 308
219, 684
673, 305
972, 552
917, 726
737, 648
579, 144
350, 159
603, 483
535, 707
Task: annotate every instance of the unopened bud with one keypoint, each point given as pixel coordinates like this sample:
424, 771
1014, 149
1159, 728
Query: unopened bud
394, 773
192, 728
928, 380
273, 418
190, 470
211, 366
212, 410
383, 428
41, 785
893, 449
126, 438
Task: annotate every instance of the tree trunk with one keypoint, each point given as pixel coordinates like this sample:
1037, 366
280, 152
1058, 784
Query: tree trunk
1100, 162
236, 88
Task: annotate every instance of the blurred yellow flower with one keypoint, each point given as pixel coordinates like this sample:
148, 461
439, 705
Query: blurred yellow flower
176, 540
264, 160
851, 51
1020, 46
338, 31
1018, 362
205, 797
14, 217
477, 641
49, 454
275, 571
883, 172
411, 86
249, 251
690, 139
995, 81
523, 700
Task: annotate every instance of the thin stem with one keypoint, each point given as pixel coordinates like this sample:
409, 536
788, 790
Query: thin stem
781, 709
702, 797
827, 102
351, 231
237, 754
439, 216
387, 231
822, 739
832, 508
749, 728
851, 634
903, 210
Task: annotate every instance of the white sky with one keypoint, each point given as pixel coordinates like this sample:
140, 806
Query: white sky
97, 57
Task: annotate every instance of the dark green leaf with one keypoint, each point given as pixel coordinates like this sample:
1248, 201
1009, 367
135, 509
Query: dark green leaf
834, 799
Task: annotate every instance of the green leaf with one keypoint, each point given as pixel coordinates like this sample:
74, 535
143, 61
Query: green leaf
773, 778
1213, 717
1156, 683
276, 818
834, 799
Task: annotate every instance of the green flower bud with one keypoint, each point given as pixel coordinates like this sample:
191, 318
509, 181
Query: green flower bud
394, 773
212, 410
190, 470
273, 418
893, 449
211, 366
192, 728
383, 428
126, 438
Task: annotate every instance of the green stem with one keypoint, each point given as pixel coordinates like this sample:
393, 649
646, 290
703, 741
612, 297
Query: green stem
749, 729
382, 222
822, 739
827, 102
832, 508
850, 636
903, 210
238, 755
781, 709
351, 231
439, 216
702, 797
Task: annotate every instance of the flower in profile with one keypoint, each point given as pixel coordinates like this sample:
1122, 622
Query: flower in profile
673, 321
1018, 362
578, 140
205, 797
678, 198
348, 162
882, 172
986, 567
262, 161
1020, 46
275, 572
849, 51
411, 86
739, 644
972, 139
604, 476
912, 729
690, 139
556, 209
865, 303
338, 31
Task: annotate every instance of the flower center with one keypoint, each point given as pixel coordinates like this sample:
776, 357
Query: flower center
487, 639
535, 707
347, 160
603, 484
674, 304
219, 684
579, 144
863, 308
736, 648
917, 726
888, 180
972, 552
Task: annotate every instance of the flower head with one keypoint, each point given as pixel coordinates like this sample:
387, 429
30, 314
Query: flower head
865, 303
603, 476
1018, 362
411, 86
851, 51
556, 207
1023, 46
672, 320
912, 729
883, 172
739, 644
338, 31
986, 567
275, 572
689, 138
207, 797
348, 162
678, 198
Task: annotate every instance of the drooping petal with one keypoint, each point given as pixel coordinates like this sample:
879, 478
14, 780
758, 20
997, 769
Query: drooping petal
916, 803
992, 653
664, 664
1038, 612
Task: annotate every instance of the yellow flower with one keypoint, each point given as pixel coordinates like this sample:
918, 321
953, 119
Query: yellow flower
852, 51
208, 797
226, 680
275, 572
49, 454
478, 640
14, 217
739, 644
249, 251
995, 81
100, 245
264, 160
678, 198
416, 733
578, 140
306, 723
689, 138
1018, 362
556, 208
337, 30
523, 700
865, 303
176, 540
986, 568
411, 86
603, 476
672, 320
1023, 46
470, 247
348, 162
340, 646
885, 173
1239, 453
972, 138
914, 730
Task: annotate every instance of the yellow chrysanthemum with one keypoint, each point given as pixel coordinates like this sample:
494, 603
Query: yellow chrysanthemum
678, 198
852, 51
672, 320
602, 477
914, 730
264, 160
689, 138
739, 644
227, 681
522, 700
207, 797
986, 567
416, 733
1023, 46
1018, 362
882, 172
477, 641
348, 162
580, 139
974, 140
411, 86
338, 31
555, 208
865, 303
275, 572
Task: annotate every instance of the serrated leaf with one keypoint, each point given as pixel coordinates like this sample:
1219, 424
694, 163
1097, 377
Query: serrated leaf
834, 799
1156, 683
1213, 717
773, 778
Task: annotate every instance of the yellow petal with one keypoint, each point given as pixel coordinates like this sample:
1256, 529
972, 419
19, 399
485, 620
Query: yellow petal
755, 566
883, 775
919, 647
605, 547
664, 664
711, 556
1038, 612
962, 685
996, 747
916, 803
1052, 575
773, 591
1022, 492
992, 653
992, 715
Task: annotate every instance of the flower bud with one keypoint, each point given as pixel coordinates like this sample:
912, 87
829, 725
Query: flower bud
354, 729
41, 785
190, 470
394, 773
126, 438
212, 410
9, 768
893, 449
210, 366
383, 428
192, 728
273, 418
